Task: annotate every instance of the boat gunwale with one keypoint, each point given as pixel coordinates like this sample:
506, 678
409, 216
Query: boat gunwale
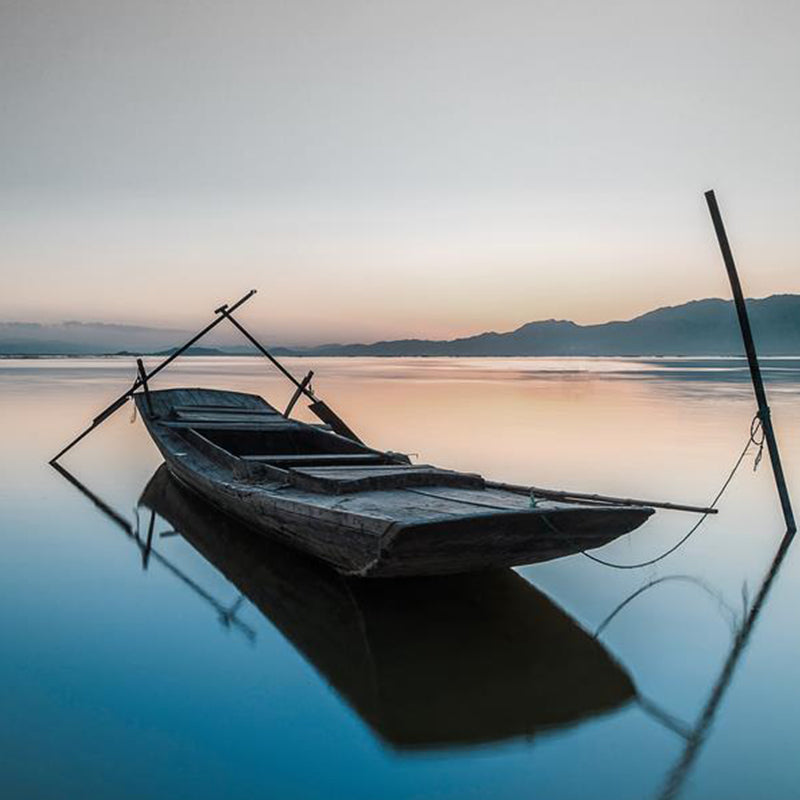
371, 530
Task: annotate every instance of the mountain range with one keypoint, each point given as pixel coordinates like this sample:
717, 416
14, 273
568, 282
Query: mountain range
700, 327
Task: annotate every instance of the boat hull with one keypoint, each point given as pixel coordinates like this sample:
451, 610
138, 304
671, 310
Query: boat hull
496, 540
404, 528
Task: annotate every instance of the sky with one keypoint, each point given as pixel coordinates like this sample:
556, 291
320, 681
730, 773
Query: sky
389, 169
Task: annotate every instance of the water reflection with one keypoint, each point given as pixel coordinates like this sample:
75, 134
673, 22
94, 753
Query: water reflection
678, 775
227, 616
433, 662
217, 717
427, 663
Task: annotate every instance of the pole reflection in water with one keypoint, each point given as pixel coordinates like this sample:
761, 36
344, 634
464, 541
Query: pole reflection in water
428, 663
741, 627
677, 776
227, 616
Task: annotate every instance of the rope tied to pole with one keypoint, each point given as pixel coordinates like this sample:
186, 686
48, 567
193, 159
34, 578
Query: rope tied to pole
133, 389
755, 428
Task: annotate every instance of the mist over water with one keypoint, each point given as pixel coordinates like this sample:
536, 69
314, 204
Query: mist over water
236, 670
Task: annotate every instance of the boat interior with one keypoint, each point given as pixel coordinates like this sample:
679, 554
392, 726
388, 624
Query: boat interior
259, 443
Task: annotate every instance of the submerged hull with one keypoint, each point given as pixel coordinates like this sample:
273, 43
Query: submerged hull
362, 511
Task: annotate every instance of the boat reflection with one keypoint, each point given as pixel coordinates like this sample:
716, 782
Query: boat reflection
425, 662
144, 544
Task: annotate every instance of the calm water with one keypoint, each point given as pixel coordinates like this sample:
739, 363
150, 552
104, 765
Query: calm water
130, 676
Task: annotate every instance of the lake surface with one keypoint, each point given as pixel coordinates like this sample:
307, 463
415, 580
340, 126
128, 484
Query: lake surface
214, 665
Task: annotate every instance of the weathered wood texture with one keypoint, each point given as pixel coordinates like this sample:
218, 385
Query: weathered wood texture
603, 499
387, 518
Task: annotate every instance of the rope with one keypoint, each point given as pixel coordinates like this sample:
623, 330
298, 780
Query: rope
133, 412
755, 426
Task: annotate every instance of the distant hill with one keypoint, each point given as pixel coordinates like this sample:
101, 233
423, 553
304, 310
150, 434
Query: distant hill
193, 351
700, 327
76, 338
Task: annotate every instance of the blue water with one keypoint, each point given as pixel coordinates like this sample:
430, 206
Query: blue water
124, 679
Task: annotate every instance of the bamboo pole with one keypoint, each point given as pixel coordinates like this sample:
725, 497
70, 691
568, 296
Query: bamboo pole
318, 407
140, 379
578, 497
752, 360
228, 312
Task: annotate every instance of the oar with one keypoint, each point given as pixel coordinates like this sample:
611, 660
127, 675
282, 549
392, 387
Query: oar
143, 378
318, 407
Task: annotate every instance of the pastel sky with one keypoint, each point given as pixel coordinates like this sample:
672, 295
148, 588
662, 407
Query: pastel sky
382, 169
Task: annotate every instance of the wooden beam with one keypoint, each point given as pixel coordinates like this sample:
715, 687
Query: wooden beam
578, 497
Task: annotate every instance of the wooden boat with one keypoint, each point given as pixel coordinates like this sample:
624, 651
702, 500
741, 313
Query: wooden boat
365, 512
442, 662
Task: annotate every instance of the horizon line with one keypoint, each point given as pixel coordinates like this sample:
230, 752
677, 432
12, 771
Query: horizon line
133, 327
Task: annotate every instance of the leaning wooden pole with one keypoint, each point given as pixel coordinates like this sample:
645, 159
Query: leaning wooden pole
752, 359
143, 377
318, 407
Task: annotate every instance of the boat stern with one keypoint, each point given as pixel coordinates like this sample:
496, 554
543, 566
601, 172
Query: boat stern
492, 540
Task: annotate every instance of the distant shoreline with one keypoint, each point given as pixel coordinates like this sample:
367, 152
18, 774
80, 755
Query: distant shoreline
631, 356
694, 329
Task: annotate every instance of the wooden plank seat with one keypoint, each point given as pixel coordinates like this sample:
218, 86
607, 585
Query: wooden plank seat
348, 479
253, 424
315, 459
223, 415
225, 408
